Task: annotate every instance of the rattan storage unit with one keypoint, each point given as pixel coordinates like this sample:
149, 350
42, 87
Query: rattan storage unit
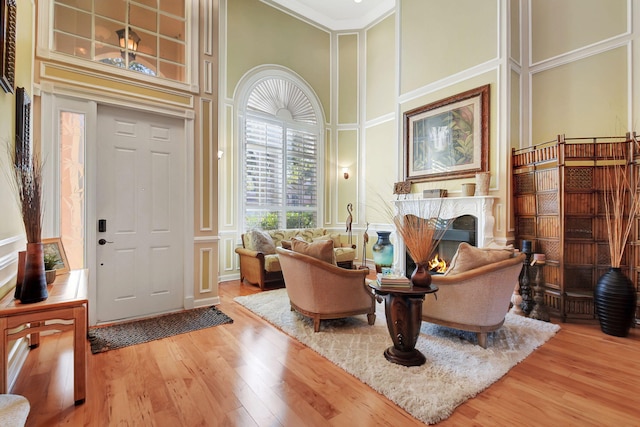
559, 205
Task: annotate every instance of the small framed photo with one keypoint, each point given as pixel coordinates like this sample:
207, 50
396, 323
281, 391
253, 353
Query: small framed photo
53, 248
448, 139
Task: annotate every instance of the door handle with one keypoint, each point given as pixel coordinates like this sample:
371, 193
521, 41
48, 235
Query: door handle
103, 242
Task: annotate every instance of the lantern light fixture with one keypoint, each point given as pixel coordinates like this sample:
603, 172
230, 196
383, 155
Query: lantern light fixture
128, 42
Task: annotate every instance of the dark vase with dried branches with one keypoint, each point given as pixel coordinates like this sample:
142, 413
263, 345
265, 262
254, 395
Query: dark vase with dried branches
421, 228
614, 294
28, 184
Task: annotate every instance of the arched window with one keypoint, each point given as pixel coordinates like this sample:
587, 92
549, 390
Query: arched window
280, 153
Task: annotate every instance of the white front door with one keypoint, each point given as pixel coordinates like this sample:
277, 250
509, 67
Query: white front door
140, 197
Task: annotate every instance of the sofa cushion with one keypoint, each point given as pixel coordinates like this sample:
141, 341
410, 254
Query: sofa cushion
344, 254
260, 241
335, 237
279, 235
322, 249
308, 234
468, 257
272, 263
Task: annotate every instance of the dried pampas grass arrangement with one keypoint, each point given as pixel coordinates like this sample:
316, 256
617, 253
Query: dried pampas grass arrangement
25, 176
621, 200
420, 226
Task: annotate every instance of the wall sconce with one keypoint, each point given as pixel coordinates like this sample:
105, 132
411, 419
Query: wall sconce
220, 153
131, 42
345, 173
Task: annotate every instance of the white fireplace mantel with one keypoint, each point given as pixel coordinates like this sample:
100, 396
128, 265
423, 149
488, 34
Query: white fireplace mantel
452, 207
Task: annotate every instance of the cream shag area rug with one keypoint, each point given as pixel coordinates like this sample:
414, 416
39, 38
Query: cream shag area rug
456, 370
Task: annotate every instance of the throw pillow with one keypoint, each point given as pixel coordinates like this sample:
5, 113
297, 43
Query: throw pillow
322, 249
307, 234
261, 241
286, 244
469, 257
335, 237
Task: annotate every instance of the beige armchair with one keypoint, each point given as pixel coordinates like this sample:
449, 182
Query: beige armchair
320, 290
476, 300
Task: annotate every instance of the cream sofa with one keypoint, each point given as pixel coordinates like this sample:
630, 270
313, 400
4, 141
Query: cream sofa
259, 262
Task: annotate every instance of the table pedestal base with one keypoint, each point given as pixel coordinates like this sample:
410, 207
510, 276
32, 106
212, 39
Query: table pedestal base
403, 310
404, 358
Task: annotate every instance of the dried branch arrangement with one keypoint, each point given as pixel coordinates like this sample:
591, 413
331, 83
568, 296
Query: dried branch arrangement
622, 188
26, 178
420, 226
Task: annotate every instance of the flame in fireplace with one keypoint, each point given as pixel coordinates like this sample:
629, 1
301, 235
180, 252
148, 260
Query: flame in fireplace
438, 265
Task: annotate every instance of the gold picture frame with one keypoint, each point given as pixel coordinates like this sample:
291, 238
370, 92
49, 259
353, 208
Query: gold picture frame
54, 247
448, 139
8, 18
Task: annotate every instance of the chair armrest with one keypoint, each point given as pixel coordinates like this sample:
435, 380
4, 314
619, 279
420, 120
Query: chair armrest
466, 276
346, 245
249, 253
323, 265
318, 286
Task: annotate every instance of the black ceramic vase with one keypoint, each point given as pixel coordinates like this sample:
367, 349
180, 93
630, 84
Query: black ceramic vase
615, 302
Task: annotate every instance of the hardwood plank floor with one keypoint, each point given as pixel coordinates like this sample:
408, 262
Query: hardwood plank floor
250, 374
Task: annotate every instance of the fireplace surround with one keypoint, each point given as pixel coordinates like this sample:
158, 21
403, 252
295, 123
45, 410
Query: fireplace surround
479, 207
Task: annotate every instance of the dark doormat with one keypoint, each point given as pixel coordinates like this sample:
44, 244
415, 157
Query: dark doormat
154, 328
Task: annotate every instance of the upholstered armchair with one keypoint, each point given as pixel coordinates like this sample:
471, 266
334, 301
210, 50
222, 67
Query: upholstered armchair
320, 290
475, 300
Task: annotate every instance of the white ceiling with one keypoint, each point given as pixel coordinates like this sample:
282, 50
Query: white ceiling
338, 14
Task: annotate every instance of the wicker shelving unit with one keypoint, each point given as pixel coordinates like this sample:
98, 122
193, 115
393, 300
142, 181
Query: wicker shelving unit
559, 205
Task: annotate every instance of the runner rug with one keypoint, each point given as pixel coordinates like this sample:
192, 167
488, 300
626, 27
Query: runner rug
154, 328
456, 370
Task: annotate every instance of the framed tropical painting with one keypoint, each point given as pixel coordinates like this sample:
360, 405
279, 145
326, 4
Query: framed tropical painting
448, 139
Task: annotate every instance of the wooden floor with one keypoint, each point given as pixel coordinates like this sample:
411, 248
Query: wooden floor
250, 374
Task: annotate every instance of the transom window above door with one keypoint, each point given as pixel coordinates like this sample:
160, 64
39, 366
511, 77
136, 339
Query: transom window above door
147, 36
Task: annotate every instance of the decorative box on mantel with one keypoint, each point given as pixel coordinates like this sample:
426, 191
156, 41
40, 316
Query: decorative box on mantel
481, 207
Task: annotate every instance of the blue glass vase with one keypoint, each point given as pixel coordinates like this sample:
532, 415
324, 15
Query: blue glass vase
383, 251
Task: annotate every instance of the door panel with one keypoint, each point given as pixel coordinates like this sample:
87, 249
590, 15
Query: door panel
139, 193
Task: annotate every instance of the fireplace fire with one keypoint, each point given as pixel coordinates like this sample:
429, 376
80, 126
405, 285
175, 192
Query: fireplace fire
462, 229
437, 265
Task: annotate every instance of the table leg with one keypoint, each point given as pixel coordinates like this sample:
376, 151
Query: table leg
404, 318
79, 354
34, 338
3, 356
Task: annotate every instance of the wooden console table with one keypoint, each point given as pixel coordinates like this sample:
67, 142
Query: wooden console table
67, 302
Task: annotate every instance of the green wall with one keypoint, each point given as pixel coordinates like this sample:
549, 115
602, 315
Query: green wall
440, 38
381, 69
580, 82
583, 98
258, 34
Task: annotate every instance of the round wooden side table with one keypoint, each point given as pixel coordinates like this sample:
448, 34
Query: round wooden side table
403, 310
